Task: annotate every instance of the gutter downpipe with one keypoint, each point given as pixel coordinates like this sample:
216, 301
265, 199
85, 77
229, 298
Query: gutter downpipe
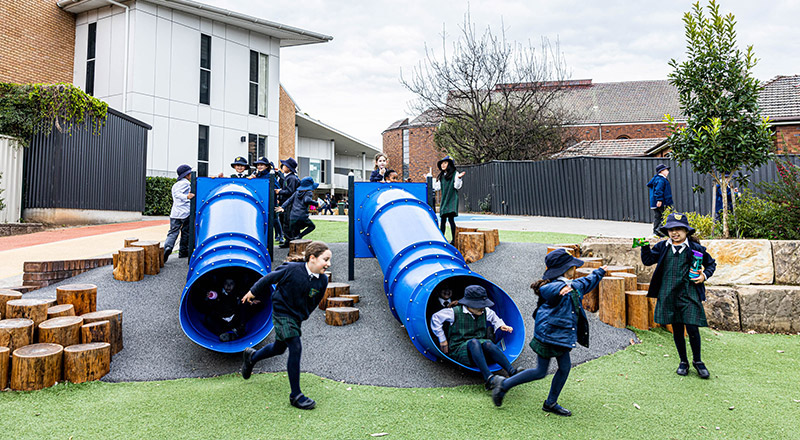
127, 45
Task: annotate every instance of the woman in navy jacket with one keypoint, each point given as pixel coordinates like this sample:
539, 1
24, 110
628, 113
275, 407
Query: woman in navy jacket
560, 324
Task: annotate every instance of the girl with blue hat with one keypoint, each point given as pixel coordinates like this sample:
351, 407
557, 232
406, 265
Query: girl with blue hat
298, 205
679, 288
449, 181
560, 323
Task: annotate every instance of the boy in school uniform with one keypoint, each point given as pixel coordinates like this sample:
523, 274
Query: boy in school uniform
660, 196
179, 215
241, 167
300, 224
289, 185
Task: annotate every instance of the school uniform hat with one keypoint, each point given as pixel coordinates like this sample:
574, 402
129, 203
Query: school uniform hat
558, 263
307, 183
291, 163
475, 297
239, 161
183, 171
677, 220
446, 159
262, 161
661, 167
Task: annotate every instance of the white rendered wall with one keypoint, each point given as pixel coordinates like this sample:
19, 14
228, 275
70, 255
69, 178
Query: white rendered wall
164, 82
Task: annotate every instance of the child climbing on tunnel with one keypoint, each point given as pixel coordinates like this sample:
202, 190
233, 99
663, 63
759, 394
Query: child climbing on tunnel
299, 287
449, 181
466, 341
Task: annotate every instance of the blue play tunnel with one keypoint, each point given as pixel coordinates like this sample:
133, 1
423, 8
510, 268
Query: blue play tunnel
394, 225
230, 242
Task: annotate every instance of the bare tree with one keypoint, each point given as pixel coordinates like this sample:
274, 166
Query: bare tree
496, 100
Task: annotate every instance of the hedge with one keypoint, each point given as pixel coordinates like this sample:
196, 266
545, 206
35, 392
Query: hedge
158, 195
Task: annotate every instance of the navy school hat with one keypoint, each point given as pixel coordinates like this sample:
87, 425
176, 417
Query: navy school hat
261, 161
446, 159
475, 297
677, 220
239, 161
307, 183
291, 163
183, 170
661, 167
558, 262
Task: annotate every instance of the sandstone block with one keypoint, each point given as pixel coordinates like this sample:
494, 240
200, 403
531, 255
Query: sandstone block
770, 309
741, 261
722, 308
618, 252
786, 257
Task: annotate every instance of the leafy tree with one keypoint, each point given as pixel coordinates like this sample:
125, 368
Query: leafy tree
724, 131
495, 99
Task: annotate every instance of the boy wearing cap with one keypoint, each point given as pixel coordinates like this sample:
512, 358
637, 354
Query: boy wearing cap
467, 334
298, 205
660, 196
179, 215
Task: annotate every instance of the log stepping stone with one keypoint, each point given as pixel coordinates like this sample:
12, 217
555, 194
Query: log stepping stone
115, 319
297, 249
354, 296
64, 330
591, 300
5, 355
36, 366
491, 238
612, 301
152, 262
82, 296
636, 309
130, 264
35, 309
630, 280
87, 362
16, 333
340, 301
6, 296
98, 331
591, 262
629, 269
471, 246
333, 290
60, 310
339, 316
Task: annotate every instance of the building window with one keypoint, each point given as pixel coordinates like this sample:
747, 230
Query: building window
205, 69
406, 158
258, 83
90, 57
256, 147
315, 169
202, 151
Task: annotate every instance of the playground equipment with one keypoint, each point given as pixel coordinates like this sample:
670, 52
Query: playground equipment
232, 236
392, 223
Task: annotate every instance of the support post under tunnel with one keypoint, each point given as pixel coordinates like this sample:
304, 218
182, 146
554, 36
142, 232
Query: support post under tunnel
394, 223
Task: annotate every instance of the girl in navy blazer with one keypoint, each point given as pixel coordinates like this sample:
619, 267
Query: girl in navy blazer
680, 290
560, 323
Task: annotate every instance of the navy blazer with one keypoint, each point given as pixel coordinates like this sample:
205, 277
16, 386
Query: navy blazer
376, 176
556, 320
660, 190
296, 293
298, 204
290, 184
656, 256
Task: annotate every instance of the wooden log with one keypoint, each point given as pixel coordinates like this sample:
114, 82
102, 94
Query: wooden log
51, 302
115, 319
636, 309
590, 300
591, 262
628, 269
581, 272
152, 265
612, 301
340, 301
651, 312
297, 248
630, 280
459, 230
643, 286
5, 353
341, 315
333, 290
552, 248
87, 362
98, 331
489, 242
354, 296
128, 241
36, 366
160, 255
471, 246
64, 330
114, 259
329, 274
130, 265
7, 295
60, 310
16, 333
34, 309
572, 249
82, 296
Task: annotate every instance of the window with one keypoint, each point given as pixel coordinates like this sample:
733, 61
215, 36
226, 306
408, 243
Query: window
258, 83
90, 57
256, 147
406, 159
202, 151
315, 169
205, 69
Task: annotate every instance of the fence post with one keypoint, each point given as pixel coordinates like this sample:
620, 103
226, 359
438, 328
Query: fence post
192, 209
351, 228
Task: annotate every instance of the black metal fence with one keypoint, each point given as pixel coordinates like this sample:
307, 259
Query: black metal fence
607, 188
82, 170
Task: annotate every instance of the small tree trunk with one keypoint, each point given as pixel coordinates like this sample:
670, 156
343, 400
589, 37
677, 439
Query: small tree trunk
64, 330
87, 362
723, 189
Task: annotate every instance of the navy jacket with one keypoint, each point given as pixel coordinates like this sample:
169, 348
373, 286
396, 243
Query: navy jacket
298, 203
290, 184
376, 176
296, 294
265, 175
556, 320
660, 190
656, 255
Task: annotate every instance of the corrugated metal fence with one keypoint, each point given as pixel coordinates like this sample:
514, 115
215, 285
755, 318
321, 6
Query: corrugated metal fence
11, 179
608, 188
82, 170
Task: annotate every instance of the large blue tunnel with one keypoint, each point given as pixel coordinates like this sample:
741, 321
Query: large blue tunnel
400, 230
230, 242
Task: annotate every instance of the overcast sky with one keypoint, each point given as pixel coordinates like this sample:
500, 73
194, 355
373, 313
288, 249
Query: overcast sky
353, 82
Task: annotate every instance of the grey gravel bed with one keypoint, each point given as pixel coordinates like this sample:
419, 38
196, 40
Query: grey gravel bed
375, 350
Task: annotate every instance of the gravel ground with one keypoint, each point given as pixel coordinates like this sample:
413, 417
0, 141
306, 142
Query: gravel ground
375, 350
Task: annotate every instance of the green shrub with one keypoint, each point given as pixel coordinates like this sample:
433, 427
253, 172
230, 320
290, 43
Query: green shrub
486, 204
704, 225
158, 195
785, 194
758, 217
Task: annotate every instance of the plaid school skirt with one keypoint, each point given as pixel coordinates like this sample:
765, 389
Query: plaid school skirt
286, 327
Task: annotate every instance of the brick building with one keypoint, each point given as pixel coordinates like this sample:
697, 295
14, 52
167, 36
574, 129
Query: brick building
410, 148
780, 101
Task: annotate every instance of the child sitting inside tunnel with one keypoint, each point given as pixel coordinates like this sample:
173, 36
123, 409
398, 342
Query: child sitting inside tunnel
468, 343
223, 314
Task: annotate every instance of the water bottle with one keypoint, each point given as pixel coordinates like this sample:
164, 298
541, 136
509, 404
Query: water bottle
697, 264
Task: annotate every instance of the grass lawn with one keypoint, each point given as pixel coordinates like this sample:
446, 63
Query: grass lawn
754, 393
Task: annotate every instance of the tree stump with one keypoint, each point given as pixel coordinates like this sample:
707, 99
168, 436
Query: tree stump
114, 260
489, 242
98, 331
571, 248
590, 299
87, 362
643, 286
128, 241
16, 333
581, 272
82, 296
34, 309
553, 248
591, 262
333, 290
636, 309
354, 296
340, 301
612, 301
329, 274
152, 265
459, 230
160, 255
115, 320
6, 296
630, 280
628, 269
341, 315
651, 312
36, 366
60, 310
64, 330
297, 248
471, 246
4, 356
130, 265
51, 302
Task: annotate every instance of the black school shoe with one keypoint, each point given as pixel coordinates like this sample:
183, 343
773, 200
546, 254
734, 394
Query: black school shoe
302, 402
247, 362
497, 390
556, 409
701, 369
683, 369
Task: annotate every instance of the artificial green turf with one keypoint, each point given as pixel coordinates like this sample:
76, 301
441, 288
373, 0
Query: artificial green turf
328, 231
753, 393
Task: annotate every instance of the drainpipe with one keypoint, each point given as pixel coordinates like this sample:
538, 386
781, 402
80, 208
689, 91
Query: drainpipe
127, 44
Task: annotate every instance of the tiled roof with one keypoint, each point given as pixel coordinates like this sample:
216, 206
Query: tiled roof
397, 123
625, 102
780, 99
612, 147
429, 117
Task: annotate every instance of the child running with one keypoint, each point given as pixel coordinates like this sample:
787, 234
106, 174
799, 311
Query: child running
680, 290
560, 322
299, 287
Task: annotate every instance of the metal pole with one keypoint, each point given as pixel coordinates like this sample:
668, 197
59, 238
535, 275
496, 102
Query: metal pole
351, 228
271, 214
431, 200
192, 210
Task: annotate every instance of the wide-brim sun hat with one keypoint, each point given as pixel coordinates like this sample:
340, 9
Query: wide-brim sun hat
291, 163
676, 220
261, 161
307, 183
183, 171
239, 161
475, 297
558, 263
661, 167
445, 159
